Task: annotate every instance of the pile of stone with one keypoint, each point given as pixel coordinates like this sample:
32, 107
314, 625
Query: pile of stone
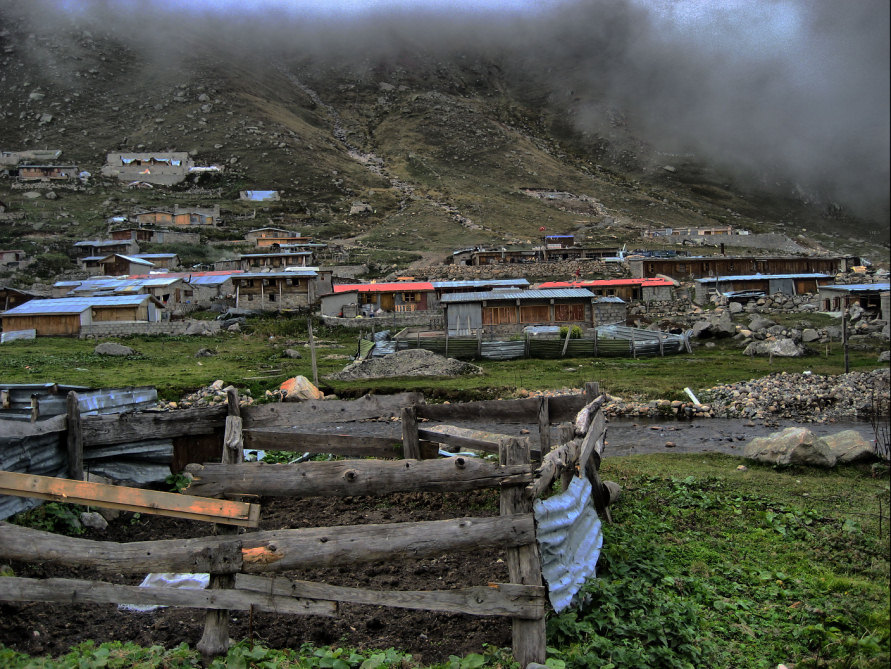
212, 395
411, 362
805, 397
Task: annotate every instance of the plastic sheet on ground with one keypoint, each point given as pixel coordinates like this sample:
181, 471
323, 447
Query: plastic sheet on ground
167, 580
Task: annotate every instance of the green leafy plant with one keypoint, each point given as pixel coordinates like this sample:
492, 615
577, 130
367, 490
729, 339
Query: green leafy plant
55, 517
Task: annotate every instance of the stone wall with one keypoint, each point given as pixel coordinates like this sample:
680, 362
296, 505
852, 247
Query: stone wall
391, 321
124, 328
565, 270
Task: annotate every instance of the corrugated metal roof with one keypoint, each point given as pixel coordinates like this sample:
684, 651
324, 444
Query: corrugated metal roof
74, 305
396, 287
103, 242
858, 287
609, 299
134, 259
290, 274
154, 255
761, 277
570, 537
491, 296
606, 282
276, 254
480, 282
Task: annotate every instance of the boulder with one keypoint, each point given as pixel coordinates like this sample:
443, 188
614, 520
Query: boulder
885, 356
781, 348
760, 323
111, 348
735, 308
809, 334
291, 353
93, 520
792, 446
848, 447
203, 328
300, 388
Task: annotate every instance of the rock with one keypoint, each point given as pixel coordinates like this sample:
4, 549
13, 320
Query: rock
93, 520
735, 307
205, 353
31, 195
885, 356
51, 195
699, 328
217, 385
760, 323
742, 468
792, 446
781, 348
300, 388
809, 334
670, 444
235, 327
848, 447
111, 348
291, 353
855, 311
203, 328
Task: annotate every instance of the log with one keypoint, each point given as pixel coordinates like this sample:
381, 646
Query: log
127, 427
592, 445
523, 562
129, 499
493, 411
343, 478
496, 599
75, 439
544, 425
411, 449
585, 416
462, 437
292, 439
562, 459
309, 412
76, 591
276, 550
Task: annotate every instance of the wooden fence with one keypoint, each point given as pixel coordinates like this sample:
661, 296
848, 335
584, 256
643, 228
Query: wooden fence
240, 565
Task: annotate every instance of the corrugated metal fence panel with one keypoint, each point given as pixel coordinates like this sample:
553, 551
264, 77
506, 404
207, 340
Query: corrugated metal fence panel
52, 399
38, 448
503, 350
570, 537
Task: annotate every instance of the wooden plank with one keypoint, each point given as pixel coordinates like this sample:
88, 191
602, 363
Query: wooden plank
592, 445
292, 439
286, 414
129, 499
126, 427
495, 599
523, 562
76, 591
276, 550
462, 437
562, 459
544, 425
342, 478
584, 417
493, 411
411, 448
75, 439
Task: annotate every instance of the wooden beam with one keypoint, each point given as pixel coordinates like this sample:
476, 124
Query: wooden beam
277, 550
342, 478
544, 425
562, 459
129, 499
592, 445
411, 448
284, 439
462, 437
495, 599
127, 427
287, 414
494, 411
75, 438
75, 591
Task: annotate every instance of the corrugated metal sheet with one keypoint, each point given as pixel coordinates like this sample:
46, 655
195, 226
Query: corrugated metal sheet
395, 287
760, 277
102, 242
492, 296
570, 537
480, 282
52, 399
858, 287
74, 305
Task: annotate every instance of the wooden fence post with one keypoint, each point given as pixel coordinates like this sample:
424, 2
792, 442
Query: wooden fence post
523, 562
35, 408
592, 391
411, 448
312, 352
566, 341
566, 432
215, 640
544, 425
75, 439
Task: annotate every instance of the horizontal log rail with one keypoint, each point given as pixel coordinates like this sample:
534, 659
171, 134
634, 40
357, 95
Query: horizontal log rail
462, 437
308, 412
75, 591
495, 599
127, 427
344, 478
129, 499
274, 550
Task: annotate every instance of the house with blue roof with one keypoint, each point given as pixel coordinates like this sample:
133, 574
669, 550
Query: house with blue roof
66, 316
868, 296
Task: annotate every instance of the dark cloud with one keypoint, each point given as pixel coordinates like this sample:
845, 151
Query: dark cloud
795, 90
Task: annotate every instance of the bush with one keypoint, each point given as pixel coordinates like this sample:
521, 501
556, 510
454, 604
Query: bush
575, 332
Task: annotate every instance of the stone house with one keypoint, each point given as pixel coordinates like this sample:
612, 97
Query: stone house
47, 172
164, 168
688, 268
12, 258
253, 262
156, 236
121, 265
160, 260
180, 216
758, 285
868, 296
275, 291
275, 237
100, 248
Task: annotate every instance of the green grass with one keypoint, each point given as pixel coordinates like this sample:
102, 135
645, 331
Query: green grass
169, 363
704, 565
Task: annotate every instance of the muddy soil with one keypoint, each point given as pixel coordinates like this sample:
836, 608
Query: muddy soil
39, 628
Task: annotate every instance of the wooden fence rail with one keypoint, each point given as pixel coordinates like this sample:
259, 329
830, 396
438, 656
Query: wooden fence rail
239, 563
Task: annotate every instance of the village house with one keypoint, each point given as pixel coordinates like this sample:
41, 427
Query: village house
275, 237
160, 260
171, 291
12, 258
255, 262
555, 252
12, 297
368, 299
506, 312
749, 286
687, 268
630, 290
99, 248
689, 232
476, 285
275, 291
66, 316
868, 296
118, 264
47, 172
156, 236
12, 158
164, 168
180, 216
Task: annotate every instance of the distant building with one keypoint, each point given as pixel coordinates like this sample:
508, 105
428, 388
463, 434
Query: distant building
688, 232
275, 291
12, 258
260, 195
47, 172
180, 216
117, 264
556, 252
162, 168
866, 295
369, 298
687, 268
630, 290
156, 236
93, 248
254, 262
160, 260
748, 286
65, 316
275, 237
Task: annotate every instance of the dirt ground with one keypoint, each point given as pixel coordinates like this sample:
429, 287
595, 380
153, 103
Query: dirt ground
39, 628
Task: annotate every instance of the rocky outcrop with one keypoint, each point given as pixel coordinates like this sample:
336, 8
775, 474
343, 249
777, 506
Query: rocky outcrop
780, 348
799, 446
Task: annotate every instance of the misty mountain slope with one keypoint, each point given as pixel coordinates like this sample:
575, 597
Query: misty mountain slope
447, 149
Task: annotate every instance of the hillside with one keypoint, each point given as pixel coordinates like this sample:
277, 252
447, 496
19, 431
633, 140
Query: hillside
448, 153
